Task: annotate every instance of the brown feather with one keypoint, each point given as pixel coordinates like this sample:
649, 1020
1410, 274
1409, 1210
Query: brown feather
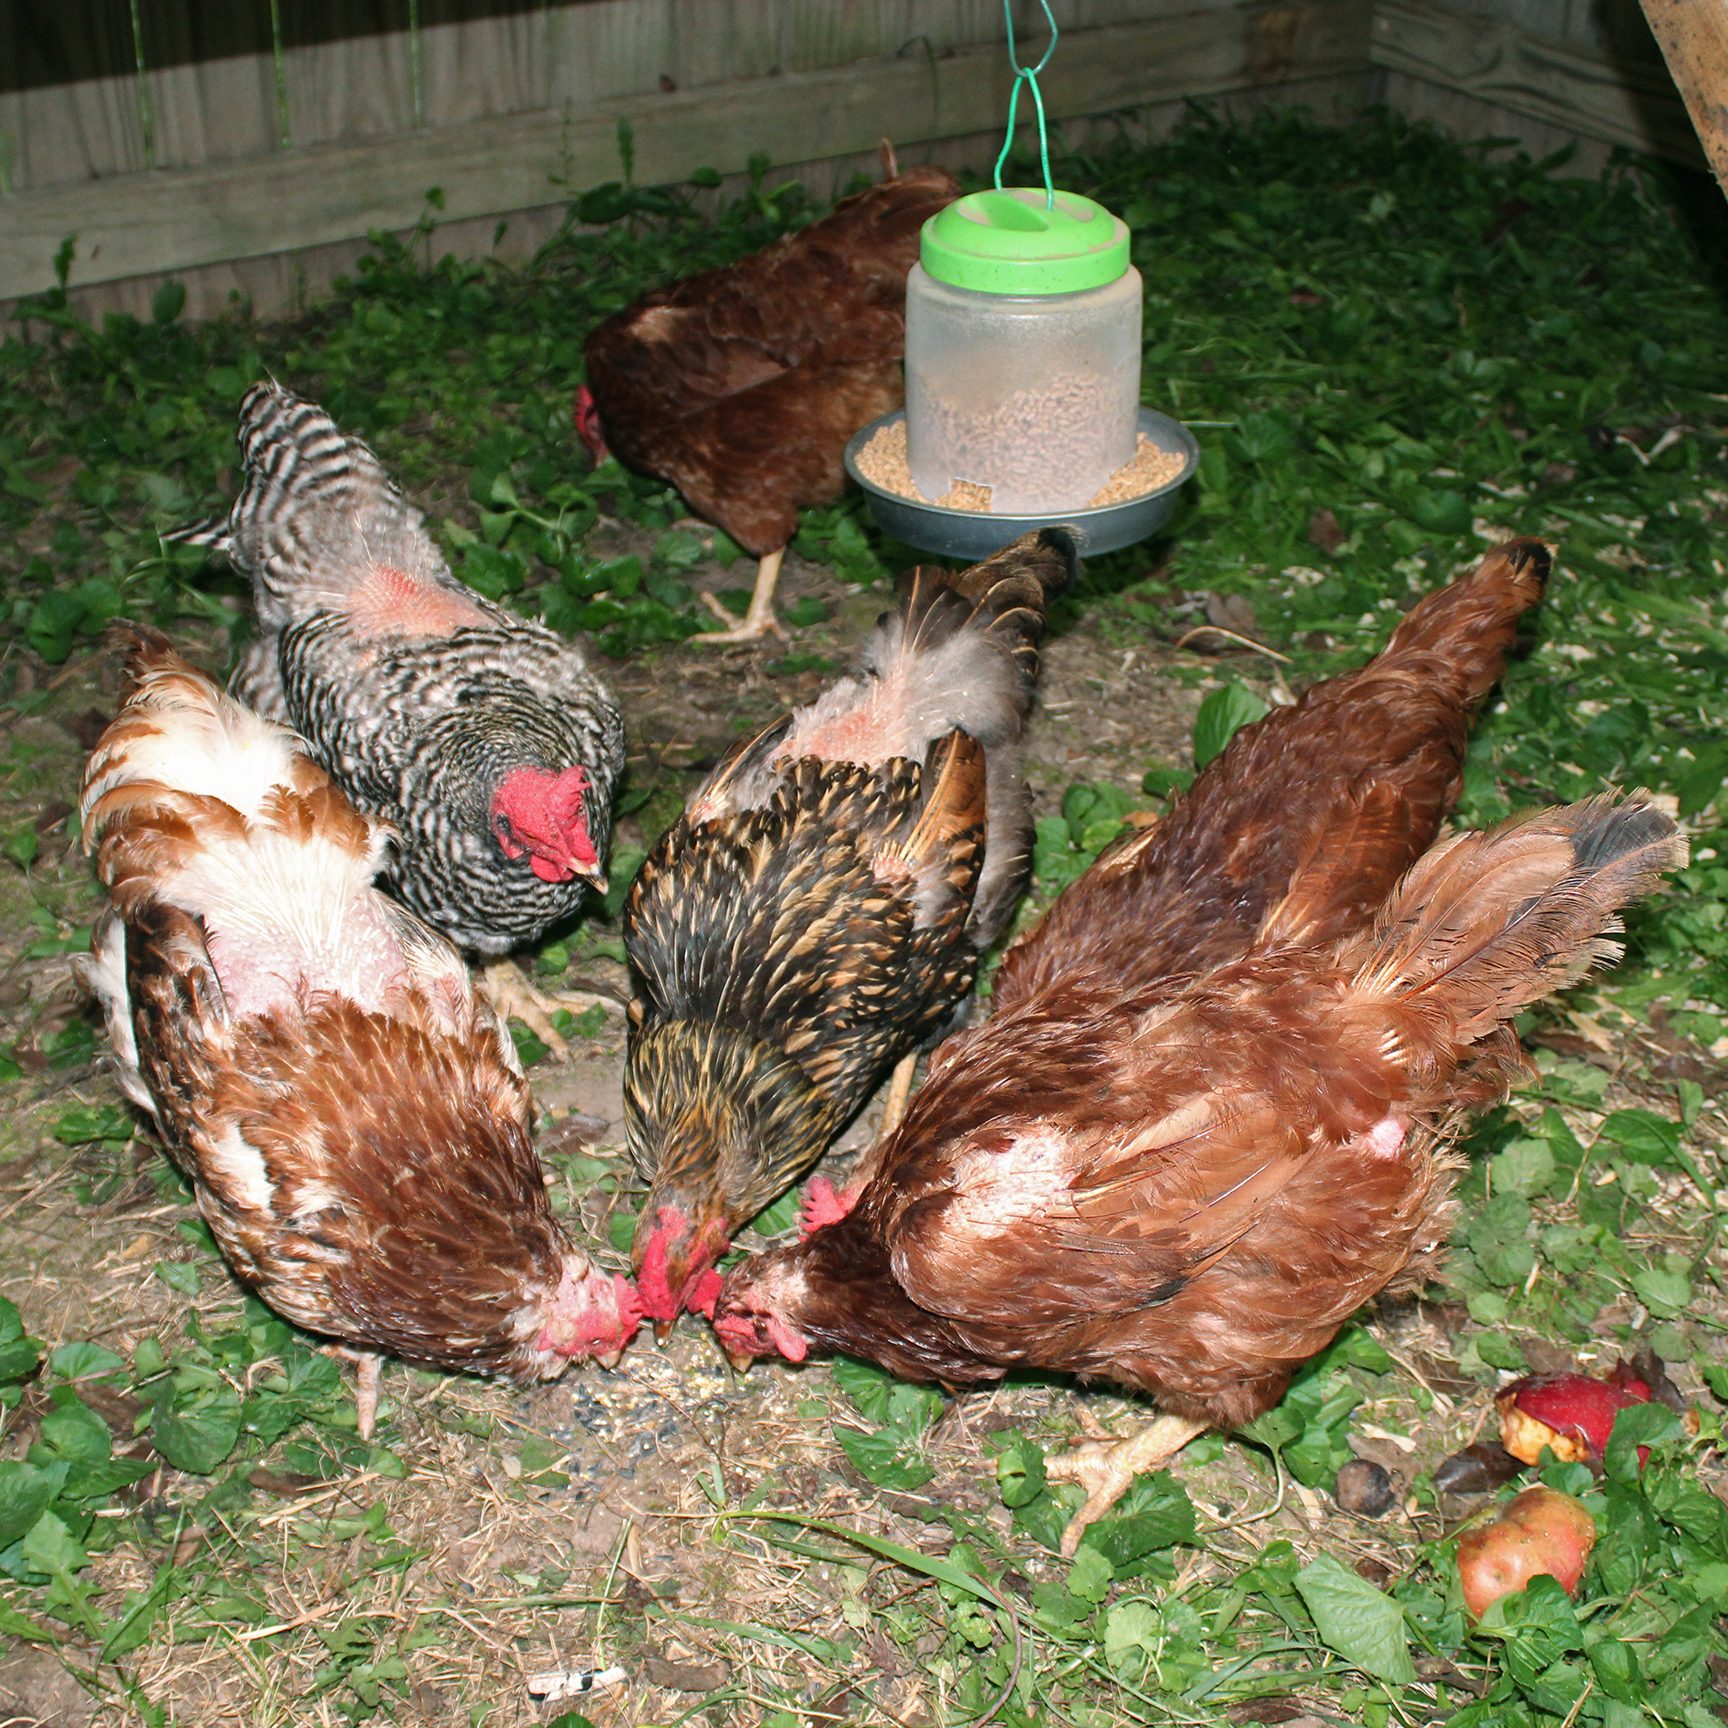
741, 385
352, 1119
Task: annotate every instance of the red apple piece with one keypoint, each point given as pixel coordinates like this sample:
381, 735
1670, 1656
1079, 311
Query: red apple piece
1571, 1414
1540, 1533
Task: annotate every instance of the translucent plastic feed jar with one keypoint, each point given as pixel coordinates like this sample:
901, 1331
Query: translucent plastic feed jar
1022, 350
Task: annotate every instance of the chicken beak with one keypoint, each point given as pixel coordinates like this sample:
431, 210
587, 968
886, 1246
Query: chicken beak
595, 876
662, 1331
608, 1358
741, 1360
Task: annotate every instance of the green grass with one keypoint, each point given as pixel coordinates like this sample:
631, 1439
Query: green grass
1395, 349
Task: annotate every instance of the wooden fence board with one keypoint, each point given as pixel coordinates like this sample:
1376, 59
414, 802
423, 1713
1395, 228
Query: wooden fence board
71, 107
482, 61
349, 67
1545, 77
178, 219
210, 77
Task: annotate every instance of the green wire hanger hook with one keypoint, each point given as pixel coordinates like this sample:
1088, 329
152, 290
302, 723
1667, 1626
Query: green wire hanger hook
1028, 75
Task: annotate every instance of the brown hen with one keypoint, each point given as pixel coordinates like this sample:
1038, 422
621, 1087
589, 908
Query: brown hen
741, 385
820, 907
353, 1120
1187, 1190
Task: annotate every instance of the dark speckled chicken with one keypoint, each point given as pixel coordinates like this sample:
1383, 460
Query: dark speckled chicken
482, 738
820, 908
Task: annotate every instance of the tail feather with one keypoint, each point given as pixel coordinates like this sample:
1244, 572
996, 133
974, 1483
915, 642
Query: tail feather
213, 531
1489, 923
1471, 623
315, 509
1005, 598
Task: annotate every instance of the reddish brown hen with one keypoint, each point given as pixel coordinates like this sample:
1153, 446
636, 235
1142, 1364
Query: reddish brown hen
1315, 811
1187, 1190
353, 1121
741, 385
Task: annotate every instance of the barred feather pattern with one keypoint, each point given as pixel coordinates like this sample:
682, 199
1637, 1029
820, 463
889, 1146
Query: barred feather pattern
1189, 1190
420, 733
353, 1120
418, 694
828, 892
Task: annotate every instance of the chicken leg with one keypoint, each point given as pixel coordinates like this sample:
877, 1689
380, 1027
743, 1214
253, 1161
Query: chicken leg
759, 621
1106, 1468
515, 996
368, 1372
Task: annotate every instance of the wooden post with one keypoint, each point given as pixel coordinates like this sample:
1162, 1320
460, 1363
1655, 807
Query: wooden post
1693, 37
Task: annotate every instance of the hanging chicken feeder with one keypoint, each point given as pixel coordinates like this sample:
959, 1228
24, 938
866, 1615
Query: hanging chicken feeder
1022, 385
1022, 379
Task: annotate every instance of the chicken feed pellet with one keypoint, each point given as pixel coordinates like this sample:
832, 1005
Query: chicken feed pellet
883, 462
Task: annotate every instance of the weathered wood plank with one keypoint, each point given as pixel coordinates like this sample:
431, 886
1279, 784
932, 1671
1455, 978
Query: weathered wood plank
1545, 77
178, 219
349, 69
211, 80
482, 59
1694, 41
70, 106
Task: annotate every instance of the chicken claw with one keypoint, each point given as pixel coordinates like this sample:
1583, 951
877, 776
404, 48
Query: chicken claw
515, 996
1107, 1468
759, 620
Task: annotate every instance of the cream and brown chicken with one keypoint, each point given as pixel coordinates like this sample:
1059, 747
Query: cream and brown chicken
352, 1118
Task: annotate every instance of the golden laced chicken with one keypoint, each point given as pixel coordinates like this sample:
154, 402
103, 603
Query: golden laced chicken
353, 1121
820, 908
740, 386
1207, 1118
482, 738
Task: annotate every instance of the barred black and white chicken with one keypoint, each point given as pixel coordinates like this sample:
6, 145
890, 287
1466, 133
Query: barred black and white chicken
482, 738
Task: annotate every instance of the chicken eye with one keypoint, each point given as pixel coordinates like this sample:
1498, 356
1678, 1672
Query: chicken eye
505, 829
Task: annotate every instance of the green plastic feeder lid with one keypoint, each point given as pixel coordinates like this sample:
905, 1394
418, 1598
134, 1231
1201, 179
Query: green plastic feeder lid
1007, 242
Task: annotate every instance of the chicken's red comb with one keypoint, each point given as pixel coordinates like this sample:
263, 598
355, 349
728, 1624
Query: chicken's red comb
586, 413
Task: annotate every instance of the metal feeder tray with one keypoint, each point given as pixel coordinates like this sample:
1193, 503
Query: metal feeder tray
975, 534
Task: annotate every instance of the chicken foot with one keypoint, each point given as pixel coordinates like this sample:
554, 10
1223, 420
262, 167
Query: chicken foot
759, 620
1106, 1468
515, 996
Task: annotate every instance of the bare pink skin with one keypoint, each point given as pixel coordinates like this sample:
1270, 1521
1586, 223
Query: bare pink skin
538, 814
587, 417
593, 1313
700, 1286
824, 1205
746, 1335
